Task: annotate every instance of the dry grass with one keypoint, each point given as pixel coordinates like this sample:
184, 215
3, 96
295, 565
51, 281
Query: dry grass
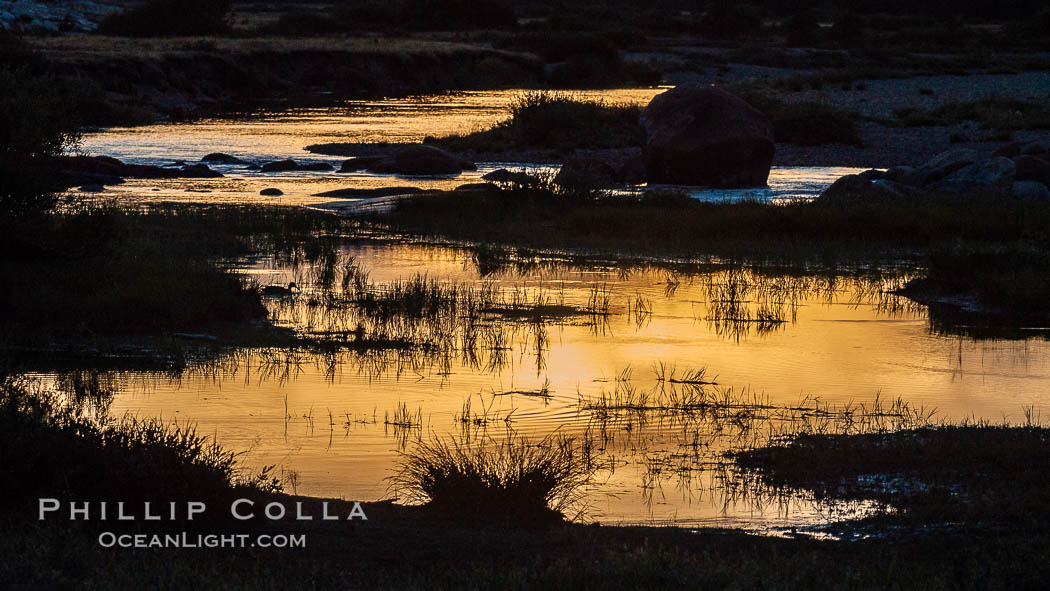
513, 479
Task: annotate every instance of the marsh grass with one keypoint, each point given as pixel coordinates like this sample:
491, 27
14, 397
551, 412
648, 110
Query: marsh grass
54, 446
962, 473
558, 121
511, 480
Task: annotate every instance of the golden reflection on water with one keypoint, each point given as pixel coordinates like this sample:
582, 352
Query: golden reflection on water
264, 137
330, 421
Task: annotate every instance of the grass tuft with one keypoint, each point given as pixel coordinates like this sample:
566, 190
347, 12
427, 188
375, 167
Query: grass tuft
515, 479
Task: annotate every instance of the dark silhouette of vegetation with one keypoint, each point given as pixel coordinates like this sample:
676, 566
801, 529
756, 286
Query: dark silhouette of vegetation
514, 480
994, 476
158, 18
36, 124
557, 121
60, 444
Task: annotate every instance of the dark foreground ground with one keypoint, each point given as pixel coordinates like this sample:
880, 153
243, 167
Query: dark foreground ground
399, 548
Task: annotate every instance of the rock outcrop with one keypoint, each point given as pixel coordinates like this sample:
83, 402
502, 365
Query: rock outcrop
706, 136
1020, 170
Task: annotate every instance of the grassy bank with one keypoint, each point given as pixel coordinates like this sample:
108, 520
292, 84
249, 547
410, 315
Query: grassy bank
554, 121
958, 476
563, 122
672, 224
62, 454
59, 443
98, 271
943, 236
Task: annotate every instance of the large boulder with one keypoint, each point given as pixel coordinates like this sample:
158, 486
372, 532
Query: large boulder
587, 171
944, 164
857, 187
1032, 168
706, 136
422, 160
1030, 191
992, 176
361, 163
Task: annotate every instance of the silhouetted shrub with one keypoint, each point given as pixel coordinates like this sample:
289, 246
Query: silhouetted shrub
169, 17
560, 121
52, 446
36, 124
516, 480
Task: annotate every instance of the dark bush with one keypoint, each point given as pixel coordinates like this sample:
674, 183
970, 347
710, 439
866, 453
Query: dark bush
517, 480
36, 124
51, 446
557, 121
169, 17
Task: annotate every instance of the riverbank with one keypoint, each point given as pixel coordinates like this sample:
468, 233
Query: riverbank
400, 547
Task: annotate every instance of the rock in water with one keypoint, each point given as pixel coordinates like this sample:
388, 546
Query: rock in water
422, 160
280, 166
706, 136
221, 158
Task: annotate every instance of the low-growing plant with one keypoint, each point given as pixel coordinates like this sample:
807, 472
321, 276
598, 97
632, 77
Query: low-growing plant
556, 120
513, 479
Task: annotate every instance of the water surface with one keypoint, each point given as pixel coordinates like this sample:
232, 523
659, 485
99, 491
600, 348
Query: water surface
786, 344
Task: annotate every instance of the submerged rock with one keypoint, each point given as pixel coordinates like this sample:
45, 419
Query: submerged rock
221, 158
422, 160
503, 175
71, 171
706, 136
293, 166
280, 166
414, 159
476, 188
